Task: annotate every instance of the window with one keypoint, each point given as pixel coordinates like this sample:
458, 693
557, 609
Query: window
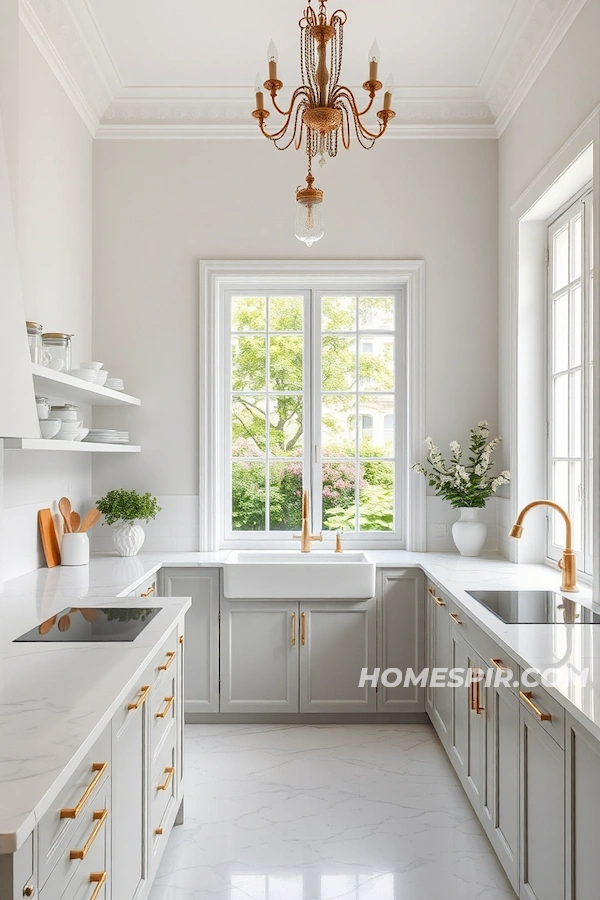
313, 379
570, 378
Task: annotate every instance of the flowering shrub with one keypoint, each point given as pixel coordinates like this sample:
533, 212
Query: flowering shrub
465, 484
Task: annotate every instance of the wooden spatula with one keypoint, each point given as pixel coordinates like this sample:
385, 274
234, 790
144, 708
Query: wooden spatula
49, 539
64, 505
75, 521
90, 519
46, 626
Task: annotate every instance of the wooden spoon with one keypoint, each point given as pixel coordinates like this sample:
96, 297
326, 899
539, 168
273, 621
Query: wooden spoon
90, 519
64, 505
89, 614
64, 623
75, 521
46, 626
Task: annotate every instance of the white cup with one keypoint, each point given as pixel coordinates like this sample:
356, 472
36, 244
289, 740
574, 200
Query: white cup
75, 549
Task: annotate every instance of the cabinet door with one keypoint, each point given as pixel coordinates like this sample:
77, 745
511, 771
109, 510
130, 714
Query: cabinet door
583, 812
259, 656
337, 641
400, 637
501, 802
201, 670
468, 725
542, 813
438, 656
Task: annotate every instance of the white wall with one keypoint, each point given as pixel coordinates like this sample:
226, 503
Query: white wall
55, 250
160, 206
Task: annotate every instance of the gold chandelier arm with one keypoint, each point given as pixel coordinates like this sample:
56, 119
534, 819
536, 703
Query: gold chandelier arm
297, 130
302, 90
348, 96
341, 91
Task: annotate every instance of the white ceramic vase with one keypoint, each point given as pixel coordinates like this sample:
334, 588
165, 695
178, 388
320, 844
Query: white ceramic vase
128, 538
469, 533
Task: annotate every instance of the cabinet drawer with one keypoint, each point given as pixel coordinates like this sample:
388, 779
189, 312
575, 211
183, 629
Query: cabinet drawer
166, 658
85, 853
548, 711
163, 797
164, 708
61, 822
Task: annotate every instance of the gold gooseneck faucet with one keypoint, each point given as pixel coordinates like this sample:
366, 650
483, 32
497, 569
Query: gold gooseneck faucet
568, 563
306, 537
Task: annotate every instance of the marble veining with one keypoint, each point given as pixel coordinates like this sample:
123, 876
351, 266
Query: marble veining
330, 812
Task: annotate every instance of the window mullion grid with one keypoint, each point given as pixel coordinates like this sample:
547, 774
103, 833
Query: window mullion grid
357, 420
586, 389
267, 416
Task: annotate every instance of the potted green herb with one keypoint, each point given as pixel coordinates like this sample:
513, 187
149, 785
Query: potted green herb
128, 508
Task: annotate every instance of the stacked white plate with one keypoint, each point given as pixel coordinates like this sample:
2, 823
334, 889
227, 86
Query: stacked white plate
106, 436
115, 384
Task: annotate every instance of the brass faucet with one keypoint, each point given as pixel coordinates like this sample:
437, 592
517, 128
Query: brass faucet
568, 563
306, 537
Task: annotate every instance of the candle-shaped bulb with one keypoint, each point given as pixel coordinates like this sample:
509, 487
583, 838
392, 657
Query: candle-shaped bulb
373, 61
258, 92
389, 92
272, 56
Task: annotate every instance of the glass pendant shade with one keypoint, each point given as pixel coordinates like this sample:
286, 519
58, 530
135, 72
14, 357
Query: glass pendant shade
309, 226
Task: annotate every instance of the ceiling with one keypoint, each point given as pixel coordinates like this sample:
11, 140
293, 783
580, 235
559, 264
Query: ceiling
186, 67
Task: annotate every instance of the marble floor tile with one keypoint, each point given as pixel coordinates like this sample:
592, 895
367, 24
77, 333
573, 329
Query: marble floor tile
326, 812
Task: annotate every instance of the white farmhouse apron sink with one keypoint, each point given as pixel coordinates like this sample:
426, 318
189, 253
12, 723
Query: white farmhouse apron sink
282, 575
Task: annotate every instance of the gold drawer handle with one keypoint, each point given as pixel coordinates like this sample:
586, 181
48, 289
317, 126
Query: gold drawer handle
170, 657
181, 639
439, 601
163, 712
303, 628
28, 890
149, 592
142, 697
169, 772
99, 878
158, 830
431, 590
293, 629
100, 817
500, 665
455, 618
73, 812
526, 697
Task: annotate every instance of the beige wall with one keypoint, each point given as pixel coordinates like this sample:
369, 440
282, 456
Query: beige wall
161, 206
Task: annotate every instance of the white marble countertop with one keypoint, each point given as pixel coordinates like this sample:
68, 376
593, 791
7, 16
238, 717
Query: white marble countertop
46, 713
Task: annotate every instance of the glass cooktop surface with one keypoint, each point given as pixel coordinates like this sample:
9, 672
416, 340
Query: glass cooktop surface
535, 607
115, 623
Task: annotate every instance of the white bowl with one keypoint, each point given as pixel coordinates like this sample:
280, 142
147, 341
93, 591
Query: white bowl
49, 428
101, 377
84, 374
81, 434
65, 435
96, 366
67, 415
70, 427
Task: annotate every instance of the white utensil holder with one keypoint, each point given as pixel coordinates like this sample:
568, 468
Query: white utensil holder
75, 549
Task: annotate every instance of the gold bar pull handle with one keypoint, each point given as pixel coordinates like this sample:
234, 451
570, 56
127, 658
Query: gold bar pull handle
98, 878
478, 707
498, 664
169, 772
527, 698
168, 704
142, 697
149, 592
439, 601
455, 618
100, 817
73, 812
471, 691
170, 657
293, 629
303, 628
431, 590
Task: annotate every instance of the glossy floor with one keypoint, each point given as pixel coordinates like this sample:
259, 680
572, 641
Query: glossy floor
330, 812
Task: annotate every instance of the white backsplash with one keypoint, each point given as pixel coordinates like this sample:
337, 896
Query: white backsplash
175, 528
441, 516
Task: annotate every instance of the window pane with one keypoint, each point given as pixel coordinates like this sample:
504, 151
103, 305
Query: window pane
285, 496
576, 335
560, 336
376, 313
286, 313
286, 425
285, 363
376, 496
338, 363
248, 313
376, 366
338, 416
339, 500
338, 314
248, 363
560, 494
248, 496
560, 418
380, 409
248, 426
576, 248
576, 414
561, 258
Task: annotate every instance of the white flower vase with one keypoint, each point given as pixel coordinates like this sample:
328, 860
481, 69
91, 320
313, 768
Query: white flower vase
469, 533
128, 538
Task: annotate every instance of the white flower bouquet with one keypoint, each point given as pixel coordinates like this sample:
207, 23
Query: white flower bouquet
467, 485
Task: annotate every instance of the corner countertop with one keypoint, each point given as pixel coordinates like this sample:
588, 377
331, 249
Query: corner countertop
49, 716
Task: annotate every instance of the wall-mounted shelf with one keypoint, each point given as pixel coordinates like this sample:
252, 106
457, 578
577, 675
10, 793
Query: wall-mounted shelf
68, 446
68, 389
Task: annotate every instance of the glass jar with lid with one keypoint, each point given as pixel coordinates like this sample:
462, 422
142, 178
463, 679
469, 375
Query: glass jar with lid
57, 347
34, 339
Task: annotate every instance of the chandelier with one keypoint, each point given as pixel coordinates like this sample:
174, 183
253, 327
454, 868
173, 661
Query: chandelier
322, 113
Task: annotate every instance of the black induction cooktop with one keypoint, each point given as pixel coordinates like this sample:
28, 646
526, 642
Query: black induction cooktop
79, 624
535, 607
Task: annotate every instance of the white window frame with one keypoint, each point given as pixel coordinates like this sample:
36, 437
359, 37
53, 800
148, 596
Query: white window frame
407, 278
581, 204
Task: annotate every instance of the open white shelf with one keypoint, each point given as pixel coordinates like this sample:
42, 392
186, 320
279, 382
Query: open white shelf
68, 389
68, 446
